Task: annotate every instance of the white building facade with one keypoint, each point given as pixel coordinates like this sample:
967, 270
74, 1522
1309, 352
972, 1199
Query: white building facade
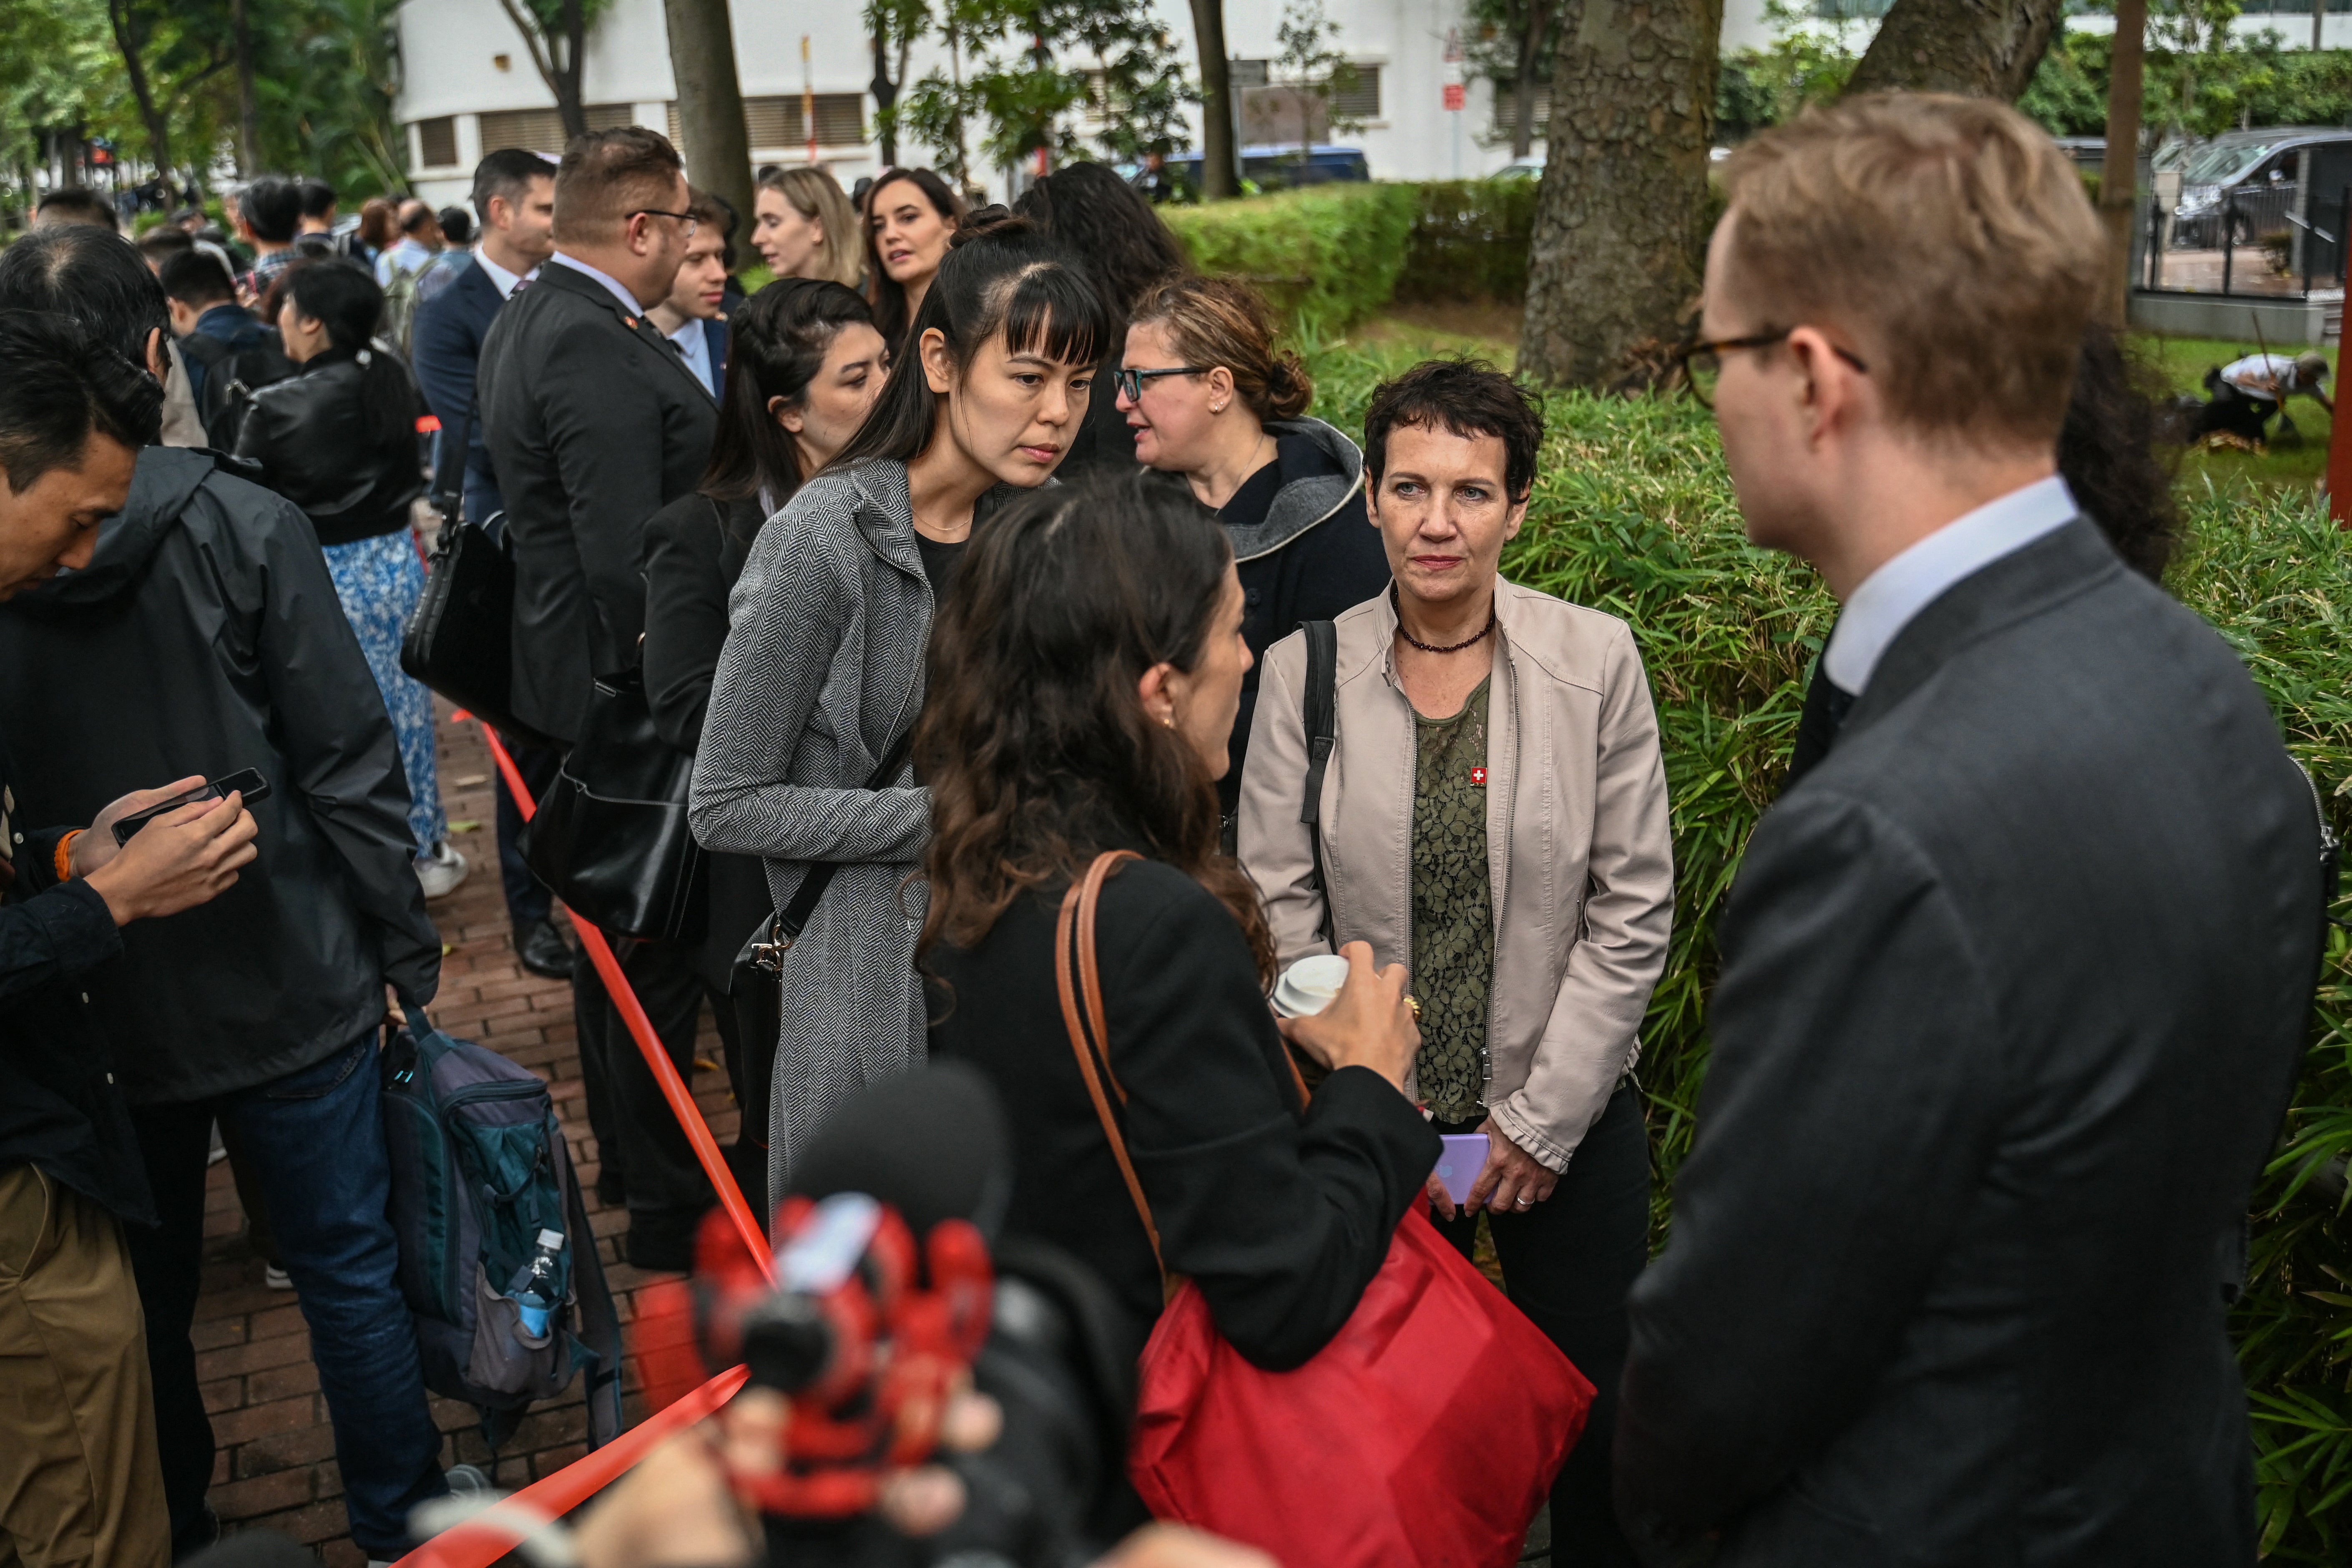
468, 86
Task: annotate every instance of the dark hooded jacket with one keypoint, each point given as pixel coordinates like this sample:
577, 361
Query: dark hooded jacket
1305, 549
205, 636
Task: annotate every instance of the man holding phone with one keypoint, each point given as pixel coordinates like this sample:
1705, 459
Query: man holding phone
80, 1480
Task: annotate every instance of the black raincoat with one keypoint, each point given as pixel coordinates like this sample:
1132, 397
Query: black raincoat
205, 636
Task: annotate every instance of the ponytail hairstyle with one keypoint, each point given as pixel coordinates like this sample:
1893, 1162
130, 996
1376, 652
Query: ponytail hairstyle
776, 344
818, 196
889, 296
1000, 275
339, 294
1219, 322
2114, 454
1033, 739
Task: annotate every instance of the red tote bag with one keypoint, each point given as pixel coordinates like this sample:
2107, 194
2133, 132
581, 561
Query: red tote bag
1428, 1431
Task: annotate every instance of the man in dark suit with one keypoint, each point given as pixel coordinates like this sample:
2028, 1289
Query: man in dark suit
594, 424
2015, 980
694, 315
514, 191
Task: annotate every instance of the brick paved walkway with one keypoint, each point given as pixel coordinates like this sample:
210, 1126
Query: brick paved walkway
277, 1462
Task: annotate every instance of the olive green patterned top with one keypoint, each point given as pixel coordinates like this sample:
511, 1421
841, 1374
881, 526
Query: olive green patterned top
1452, 907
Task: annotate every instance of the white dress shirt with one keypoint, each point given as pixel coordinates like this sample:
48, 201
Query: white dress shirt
405, 255
694, 347
1890, 596
628, 301
504, 281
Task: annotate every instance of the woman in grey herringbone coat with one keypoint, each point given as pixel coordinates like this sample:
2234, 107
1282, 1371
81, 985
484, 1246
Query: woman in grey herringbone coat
823, 671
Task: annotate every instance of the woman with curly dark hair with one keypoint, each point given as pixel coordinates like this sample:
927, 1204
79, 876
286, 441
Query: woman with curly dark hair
1082, 686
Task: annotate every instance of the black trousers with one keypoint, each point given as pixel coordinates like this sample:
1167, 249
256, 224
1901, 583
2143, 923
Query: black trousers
667, 1193
2233, 411
1568, 1263
528, 899
750, 1018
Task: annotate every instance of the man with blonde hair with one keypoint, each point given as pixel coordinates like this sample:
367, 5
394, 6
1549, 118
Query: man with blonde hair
2014, 979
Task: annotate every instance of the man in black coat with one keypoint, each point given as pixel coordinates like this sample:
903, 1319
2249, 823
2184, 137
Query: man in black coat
514, 191
594, 424
2015, 980
202, 636
79, 1479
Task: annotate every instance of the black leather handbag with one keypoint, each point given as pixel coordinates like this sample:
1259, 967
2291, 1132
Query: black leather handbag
460, 640
611, 837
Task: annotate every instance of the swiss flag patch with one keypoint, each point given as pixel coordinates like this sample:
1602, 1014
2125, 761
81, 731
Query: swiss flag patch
1478, 777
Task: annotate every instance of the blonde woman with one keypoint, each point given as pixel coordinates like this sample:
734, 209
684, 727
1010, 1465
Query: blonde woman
803, 227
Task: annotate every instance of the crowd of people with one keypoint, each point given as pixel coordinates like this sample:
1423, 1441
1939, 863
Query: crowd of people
977, 544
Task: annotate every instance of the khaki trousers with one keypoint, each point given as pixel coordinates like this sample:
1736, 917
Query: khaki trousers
79, 1479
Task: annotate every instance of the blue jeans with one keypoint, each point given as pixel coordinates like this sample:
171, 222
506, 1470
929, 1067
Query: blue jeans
315, 1141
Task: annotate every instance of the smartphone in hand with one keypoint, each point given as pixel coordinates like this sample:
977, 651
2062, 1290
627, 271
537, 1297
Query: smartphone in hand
248, 780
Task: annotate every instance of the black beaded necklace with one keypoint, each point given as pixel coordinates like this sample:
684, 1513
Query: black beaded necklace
1433, 648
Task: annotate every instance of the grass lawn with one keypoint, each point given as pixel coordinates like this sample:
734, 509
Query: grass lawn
1403, 333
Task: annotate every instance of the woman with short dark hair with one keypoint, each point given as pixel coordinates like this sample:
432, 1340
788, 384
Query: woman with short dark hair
1492, 812
339, 441
822, 676
1082, 690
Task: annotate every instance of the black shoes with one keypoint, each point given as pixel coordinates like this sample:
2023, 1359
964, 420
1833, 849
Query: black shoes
544, 950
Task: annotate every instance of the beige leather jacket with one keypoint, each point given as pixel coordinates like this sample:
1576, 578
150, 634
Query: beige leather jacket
1577, 839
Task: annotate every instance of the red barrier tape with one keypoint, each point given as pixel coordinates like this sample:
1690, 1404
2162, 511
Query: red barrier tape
632, 1013
477, 1545
480, 1544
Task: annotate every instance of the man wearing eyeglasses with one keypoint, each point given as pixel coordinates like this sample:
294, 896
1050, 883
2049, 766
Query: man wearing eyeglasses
2014, 978
593, 424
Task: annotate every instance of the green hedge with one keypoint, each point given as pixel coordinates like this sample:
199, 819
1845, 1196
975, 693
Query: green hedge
1634, 514
1326, 254
1470, 241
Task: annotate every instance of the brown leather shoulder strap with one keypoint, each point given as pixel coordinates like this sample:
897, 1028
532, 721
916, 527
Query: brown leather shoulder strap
1073, 956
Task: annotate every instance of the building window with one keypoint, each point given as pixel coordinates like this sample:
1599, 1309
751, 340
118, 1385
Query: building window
541, 130
1848, 10
437, 143
1360, 102
781, 123
1507, 110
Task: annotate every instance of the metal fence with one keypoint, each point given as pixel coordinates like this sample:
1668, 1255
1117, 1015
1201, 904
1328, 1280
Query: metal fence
2266, 242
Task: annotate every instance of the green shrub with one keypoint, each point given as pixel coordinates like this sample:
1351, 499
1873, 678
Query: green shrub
1634, 514
1327, 256
1470, 241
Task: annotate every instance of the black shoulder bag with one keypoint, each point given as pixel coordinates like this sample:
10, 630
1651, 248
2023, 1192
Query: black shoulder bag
774, 937
459, 642
1320, 706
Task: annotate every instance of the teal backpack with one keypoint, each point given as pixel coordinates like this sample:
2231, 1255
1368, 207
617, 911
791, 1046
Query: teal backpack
496, 1262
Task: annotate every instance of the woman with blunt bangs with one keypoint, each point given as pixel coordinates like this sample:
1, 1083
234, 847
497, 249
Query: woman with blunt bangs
822, 676
804, 368
1083, 686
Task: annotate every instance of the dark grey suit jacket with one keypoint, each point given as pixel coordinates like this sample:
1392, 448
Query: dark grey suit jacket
594, 424
2015, 983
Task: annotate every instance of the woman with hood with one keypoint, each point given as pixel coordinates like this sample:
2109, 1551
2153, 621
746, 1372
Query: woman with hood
1209, 397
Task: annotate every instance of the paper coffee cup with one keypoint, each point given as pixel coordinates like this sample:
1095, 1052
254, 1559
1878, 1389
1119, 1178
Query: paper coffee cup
1309, 985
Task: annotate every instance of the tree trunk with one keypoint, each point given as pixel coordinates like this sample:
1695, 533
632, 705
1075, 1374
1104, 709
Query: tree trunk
886, 97
2120, 176
718, 145
1532, 59
567, 72
248, 107
1220, 174
127, 39
1621, 221
1986, 48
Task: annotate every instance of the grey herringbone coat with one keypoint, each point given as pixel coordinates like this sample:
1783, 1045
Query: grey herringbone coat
822, 668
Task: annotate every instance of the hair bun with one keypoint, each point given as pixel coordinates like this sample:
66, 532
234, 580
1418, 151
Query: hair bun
1288, 388
986, 223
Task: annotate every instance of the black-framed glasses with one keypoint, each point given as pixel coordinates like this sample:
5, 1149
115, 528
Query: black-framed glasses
1130, 382
1705, 357
686, 218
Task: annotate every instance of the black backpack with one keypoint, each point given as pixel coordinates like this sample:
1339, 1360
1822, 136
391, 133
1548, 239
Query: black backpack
232, 375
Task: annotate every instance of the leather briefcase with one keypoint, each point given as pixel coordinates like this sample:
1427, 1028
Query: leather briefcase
611, 837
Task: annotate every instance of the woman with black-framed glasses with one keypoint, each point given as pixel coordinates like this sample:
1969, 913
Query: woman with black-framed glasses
1210, 398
